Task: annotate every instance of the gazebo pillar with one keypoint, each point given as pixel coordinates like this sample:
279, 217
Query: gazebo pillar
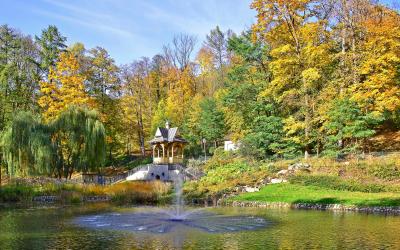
154, 151
163, 150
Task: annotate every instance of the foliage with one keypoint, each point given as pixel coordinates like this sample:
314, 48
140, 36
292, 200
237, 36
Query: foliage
309, 77
64, 87
74, 141
266, 137
79, 137
211, 120
51, 43
386, 171
27, 146
347, 124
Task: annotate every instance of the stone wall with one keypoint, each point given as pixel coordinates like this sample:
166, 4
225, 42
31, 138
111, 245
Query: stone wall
332, 207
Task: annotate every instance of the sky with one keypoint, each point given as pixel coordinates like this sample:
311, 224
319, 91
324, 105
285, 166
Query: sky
127, 29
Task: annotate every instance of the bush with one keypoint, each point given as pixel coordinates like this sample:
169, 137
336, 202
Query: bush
385, 171
16, 193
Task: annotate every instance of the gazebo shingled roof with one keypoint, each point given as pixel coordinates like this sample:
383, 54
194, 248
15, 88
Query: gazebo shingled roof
167, 135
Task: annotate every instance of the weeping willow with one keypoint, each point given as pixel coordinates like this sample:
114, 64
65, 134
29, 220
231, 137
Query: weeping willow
80, 140
75, 141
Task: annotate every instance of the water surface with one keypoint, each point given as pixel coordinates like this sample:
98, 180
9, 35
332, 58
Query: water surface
57, 228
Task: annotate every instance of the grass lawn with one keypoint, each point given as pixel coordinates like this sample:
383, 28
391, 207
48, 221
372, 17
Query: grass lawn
294, 193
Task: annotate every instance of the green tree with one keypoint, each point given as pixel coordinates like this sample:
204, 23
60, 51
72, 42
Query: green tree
75, 141
211, 123
51, 43
348, 126
27, 147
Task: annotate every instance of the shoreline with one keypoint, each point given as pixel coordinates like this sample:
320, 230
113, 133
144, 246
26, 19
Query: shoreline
388, 210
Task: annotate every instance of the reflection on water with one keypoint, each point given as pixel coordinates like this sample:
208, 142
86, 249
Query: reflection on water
161, 221
55, 229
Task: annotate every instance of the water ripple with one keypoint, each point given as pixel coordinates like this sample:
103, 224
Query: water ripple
162, 222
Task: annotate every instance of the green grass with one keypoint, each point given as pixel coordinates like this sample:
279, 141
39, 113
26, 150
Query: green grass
295, 193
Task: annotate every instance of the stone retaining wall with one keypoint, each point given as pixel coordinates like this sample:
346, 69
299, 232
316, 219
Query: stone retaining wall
53, 199
333, 207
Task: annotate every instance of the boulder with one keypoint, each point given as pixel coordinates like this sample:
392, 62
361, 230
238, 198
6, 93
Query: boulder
277, 180
283, 172
251, 189
299, 166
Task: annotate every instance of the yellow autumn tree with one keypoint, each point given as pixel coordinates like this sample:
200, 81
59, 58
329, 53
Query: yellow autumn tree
379, 89
299, 58
64, 87
207, 79
179, 96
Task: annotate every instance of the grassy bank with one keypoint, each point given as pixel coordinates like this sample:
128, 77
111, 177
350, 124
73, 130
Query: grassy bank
296, 193
128, 192
364, 181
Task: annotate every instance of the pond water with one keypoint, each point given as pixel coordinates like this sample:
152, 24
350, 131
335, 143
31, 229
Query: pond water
103, 226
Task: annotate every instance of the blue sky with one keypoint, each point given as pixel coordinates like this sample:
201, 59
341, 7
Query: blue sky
128, 29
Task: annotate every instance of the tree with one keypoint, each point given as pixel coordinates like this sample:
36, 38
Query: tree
300, 58
104, 87
75, 141
217, 43
178, 54
51, 43
246, 79
26, 145
79, 137
349, 125
266, 138
159, 118
136, 101
379, 89
64, 87
18, 74
211, 122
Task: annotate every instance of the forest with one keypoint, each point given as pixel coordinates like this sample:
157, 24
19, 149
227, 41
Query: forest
309, 78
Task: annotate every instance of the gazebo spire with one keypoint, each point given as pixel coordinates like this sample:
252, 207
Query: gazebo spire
167, 124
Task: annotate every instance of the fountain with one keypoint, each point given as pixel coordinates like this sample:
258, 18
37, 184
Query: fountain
157, 220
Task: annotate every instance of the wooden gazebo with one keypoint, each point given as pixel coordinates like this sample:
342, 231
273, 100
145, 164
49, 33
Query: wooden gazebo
168, 146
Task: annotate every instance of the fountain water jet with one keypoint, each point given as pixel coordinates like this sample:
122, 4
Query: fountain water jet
155, 220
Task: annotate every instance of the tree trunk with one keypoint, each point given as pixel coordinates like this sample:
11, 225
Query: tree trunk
1, 164
140, 133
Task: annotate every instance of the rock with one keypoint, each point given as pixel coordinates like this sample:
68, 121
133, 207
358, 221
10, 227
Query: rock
283, 172
251, 189
299, 166
276, 180
46, 199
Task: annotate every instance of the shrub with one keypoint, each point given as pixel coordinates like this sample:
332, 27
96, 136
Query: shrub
385, 171
16, 193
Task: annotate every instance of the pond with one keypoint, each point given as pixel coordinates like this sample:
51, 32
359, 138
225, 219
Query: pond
102, 226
